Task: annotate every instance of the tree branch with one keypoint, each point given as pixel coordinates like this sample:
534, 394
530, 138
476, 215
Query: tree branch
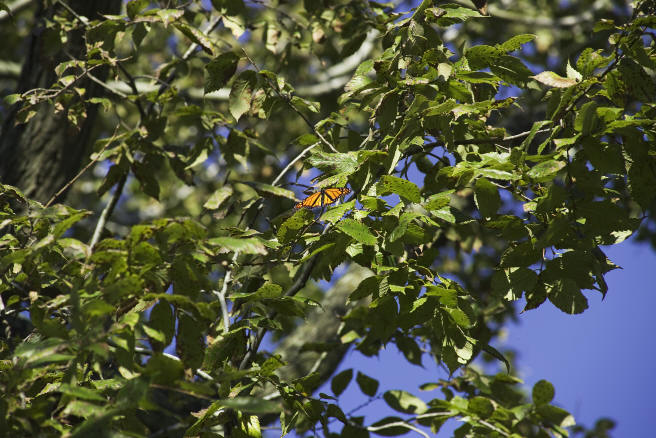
296, 110
107, 212
14, 7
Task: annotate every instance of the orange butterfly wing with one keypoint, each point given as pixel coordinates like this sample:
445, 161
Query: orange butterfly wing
311, 201
323, 197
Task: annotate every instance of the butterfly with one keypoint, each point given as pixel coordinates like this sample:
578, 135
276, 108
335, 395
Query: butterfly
323, 197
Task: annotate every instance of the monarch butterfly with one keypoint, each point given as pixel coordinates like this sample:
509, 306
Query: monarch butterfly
323, 197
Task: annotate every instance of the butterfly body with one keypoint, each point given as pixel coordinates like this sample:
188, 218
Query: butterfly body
323, 197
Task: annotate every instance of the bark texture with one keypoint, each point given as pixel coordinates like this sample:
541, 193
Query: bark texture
41, 156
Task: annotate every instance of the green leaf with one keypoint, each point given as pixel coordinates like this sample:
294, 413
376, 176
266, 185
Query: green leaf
307, 105
545, 170
482, 56
242, 92
511, 70
357, 231
481, 406
220, 70
243, 246
556, 415
405, 402
335, 214
447, 297
43, 352
554, 80
459, 317
197, 37
587, 122
487, 197
290, 229
567, 296
341, 381
543, 392
438, 200
189, 341
368, 286
391, 184
274, 190
497, 355
523, 254
229, 7
162, 319
368, 385
389, 426
516, 42
217, 198
410, 349
345, 163
145, 172
534, 129
251, 405
81, 392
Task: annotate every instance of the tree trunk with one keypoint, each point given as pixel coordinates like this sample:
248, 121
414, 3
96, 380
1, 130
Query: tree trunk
42, 155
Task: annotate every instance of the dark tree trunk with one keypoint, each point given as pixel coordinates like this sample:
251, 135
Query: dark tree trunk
41, 156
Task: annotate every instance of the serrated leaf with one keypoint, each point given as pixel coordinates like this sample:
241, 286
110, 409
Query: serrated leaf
459, 317
243, 246
241, 93
523, 254
587, 122
292, 226
546, 170
402, 187
554, 80
358, 231
438, 200
346, 163
567, 296
196, 36
487, 197
367, 287
220, 70
410, 349
516, 42
217, 198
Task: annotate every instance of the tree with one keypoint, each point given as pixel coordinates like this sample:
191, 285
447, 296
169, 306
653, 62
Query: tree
475, 182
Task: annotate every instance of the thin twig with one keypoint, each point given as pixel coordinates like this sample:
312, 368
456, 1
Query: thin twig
293, 290
291, 163
214, 21
107, 212
494, 428
79, 174
398, 424
222, 296
428, 146
133, 85
289, 103
107, 87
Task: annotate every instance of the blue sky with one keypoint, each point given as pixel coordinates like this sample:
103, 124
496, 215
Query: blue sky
601, 362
